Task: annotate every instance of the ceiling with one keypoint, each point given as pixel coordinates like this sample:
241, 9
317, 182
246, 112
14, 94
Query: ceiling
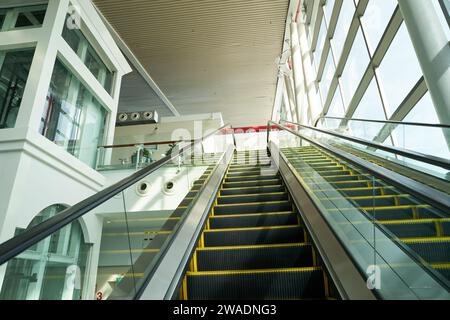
205, 55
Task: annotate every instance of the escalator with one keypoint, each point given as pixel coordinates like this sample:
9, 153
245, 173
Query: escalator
300, 220
419, 226
254, 245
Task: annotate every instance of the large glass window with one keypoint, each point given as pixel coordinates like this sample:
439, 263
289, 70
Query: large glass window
355, 67
79, 43
22, 17
375, 20
327, 76
399, 70
371, 106
14, 68
43, 271
320, 43
342, 27
73, 118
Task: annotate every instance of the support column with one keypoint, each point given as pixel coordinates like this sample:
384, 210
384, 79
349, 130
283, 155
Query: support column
291, 98
433, 51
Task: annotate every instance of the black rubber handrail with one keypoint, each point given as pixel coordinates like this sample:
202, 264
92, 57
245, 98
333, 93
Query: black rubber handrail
425, 158
430, 125
13, 247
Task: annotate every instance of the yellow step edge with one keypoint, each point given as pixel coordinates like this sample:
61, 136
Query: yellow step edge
346, 181
255, 187
370, 197
355, 189
252, 181
342, 176
263, 246
253, 194
384, 208
240, 172
257, 271
253, 228
422, 240
251, 203
441, 265
223, 216
247, 177
413, 221
128, 251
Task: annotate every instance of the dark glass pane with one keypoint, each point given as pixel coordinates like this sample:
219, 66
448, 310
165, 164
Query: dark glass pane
15, 66
30, 19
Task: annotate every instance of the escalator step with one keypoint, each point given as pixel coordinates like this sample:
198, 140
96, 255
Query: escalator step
254, 258
274, 182
305, 283
412, 230
432, 251
253, 221
244, 237
446, 228
263, 197
251, 178
258, 207
252, 190
251, 173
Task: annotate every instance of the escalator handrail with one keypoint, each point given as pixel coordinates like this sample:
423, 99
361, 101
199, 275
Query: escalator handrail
429, 159
419, 124
18, 244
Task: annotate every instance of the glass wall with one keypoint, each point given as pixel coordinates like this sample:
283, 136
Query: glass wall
14, 69
79, 43
373, 61
73, 118
54, 269
22, 17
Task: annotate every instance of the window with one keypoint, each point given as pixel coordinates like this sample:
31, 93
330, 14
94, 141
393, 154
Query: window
73, 118
371, 106
399, 70
342, 27
375, 20
320, 43
22, 17
41, 272
327, 76
79, 43
14, 68
355, 67
336, 107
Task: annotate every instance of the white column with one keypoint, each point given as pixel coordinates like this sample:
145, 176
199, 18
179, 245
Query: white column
433, 51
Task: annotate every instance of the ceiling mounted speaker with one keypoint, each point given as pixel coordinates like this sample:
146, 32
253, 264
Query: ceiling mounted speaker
122, 117
148, 115
135, 116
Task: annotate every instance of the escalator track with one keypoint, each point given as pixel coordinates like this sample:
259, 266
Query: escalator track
422, 228
254, 245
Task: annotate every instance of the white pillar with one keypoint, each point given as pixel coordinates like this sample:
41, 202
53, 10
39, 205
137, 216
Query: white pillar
433, 51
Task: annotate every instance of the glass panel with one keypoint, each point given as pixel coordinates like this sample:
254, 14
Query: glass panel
342, 27
84, 49
371, 106
124, 237
73, 118
399, 70
320, 43
328, 8
371, 217
22, 17
336, 107
15, 66
375, 20
327, 76
53, 269
30, 19
355, 67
